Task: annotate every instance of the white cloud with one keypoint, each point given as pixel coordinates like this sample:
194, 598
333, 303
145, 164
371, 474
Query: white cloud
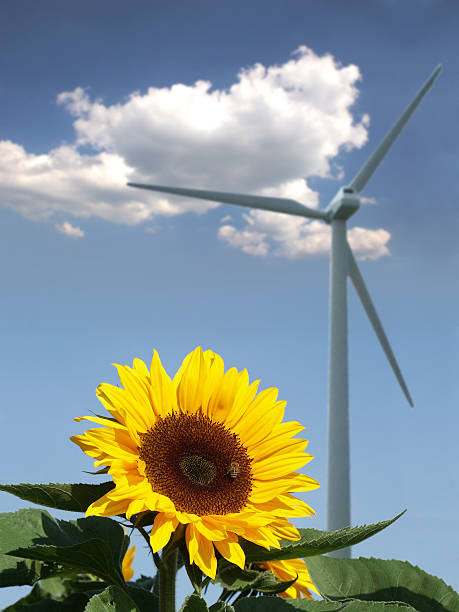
226, 218
369, 244
365, 200
266, 233
69, 230
65, 180
249, 241
271, 130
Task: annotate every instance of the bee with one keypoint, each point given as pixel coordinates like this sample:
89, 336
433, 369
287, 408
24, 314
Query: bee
233, 470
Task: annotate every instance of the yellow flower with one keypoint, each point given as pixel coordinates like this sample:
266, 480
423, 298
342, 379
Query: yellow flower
203, 450
288, 570
126, 565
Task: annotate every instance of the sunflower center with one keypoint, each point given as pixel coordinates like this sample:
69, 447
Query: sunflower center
198, 469
198, 463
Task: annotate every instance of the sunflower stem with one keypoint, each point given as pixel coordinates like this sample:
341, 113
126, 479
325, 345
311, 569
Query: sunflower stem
167, 575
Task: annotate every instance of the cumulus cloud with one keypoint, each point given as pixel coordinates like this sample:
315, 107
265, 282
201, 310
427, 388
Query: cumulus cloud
72, 231
267, 133
292, 237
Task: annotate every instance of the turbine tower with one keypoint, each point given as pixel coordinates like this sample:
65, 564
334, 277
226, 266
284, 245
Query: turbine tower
345, 203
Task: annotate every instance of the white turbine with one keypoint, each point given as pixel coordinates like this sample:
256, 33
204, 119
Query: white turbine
342, 265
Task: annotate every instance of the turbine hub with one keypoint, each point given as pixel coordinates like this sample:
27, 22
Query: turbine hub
345, 203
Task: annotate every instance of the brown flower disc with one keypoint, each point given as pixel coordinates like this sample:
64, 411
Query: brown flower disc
198, 463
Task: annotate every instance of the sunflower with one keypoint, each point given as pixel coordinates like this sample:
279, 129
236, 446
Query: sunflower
203, 451
289, 570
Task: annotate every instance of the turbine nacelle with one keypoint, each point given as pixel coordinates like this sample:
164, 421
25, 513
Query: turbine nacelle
344, 204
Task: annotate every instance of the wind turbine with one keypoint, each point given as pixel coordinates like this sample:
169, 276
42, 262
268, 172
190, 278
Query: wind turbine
342, 265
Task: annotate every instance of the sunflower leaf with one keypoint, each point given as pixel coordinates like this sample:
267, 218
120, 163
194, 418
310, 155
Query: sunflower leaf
276, 604
194, 603
21, 529
76, 602
145, 600
144, 582
38, 593
221, 606
233, 578
382, 580
75, 497
315, 542
92, 556
34, 546
82, 591
113, 599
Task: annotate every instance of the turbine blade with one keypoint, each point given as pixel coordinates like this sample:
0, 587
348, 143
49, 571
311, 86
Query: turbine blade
282, 205
362, 178
362, 292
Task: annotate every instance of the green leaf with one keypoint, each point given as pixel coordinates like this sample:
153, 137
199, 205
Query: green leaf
56, 587
52, 547
382, 580
55, 590
276, 604
34, 595
233, 578
113, 599
145, 600
21, 528
74, 603
194, 603
314, 542
221, 606
92, 556
75, 497
144, 582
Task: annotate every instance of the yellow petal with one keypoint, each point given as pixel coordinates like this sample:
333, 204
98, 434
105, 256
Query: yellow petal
263, 491
286, 506
186, 517
278, 446
107, 507
159, 503
162, 392
128, 412
222, 399
211, 530
178, 376
262, 536
102, 421
126, 565
215, 368
111, 442
284, 530
161, 531
142, 414
204, 555
262, 417
189, 389
231, 551
113, 408
135, 507
191, 541
282, 431
276, 466
289, 569
243, 398
141, 369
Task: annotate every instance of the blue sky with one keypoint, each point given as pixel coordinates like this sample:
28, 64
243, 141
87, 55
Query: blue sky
291, 99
